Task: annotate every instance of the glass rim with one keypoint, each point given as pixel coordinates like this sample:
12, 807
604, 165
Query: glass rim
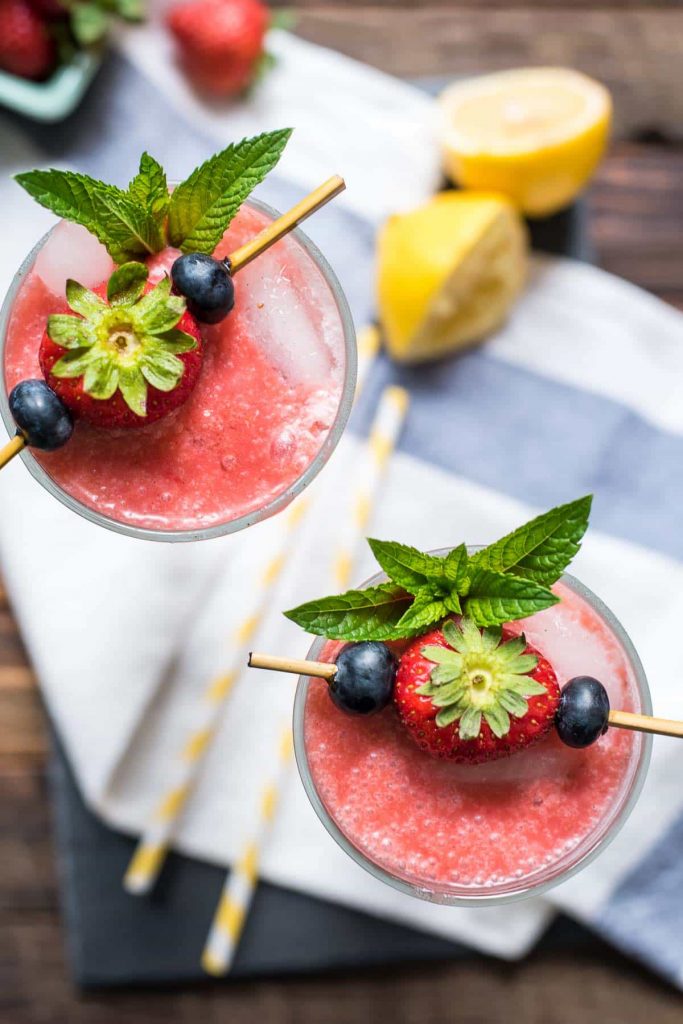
276, 504
512, 892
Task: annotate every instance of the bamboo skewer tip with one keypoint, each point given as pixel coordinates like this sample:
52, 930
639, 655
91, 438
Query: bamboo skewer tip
295, 666
12, 448
287, 222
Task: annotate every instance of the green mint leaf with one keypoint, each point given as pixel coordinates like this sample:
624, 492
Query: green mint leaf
369, 614
423, 612
126, 229
89, 23
409, 568
542, 549
68, 331
202, 207
149, 188
82, 300
127, 284
455, 567
452, 603
496, 597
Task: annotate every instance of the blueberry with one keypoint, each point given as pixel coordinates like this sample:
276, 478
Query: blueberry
206, 284
582, 712
41, 415
364, 680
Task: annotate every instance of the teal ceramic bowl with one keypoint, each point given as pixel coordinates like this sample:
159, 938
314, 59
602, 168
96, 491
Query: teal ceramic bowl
56, 98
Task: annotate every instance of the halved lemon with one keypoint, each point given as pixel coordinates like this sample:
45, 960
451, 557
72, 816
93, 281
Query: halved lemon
535, 134
448, 272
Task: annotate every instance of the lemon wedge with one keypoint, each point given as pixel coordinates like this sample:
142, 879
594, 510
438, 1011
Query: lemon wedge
448, 272
535, 134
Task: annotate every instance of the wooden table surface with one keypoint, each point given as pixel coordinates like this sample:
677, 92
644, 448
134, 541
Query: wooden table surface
636, 225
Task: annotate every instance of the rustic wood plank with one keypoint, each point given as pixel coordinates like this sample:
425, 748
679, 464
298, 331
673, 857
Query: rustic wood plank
634, 50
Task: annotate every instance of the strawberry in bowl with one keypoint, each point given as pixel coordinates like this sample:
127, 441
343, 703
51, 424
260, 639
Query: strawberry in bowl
221, 43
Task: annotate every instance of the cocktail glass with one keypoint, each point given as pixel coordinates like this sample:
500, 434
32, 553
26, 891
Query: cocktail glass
340, 326
514, 775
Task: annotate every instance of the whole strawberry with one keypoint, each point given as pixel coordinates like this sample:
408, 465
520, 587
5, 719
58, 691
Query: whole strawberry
471, 695
26, 47
220, 42
125, 362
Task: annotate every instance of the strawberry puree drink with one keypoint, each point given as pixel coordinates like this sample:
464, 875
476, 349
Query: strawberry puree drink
433, 796
261, 401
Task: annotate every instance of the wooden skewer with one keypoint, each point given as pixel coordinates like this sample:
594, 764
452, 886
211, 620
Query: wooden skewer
321, 669
284, 224
645, 723
11, 449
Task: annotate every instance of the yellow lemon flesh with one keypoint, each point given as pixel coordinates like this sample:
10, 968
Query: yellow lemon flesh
535, 134
448, 273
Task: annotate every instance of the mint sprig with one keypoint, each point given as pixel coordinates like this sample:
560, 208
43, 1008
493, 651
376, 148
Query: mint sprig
143, 219
542, 549
508, 580
203, 206
126, 229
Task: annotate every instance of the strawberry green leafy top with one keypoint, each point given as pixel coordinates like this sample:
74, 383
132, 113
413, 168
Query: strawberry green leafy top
143, 219
125, 344
477, 675
510, 579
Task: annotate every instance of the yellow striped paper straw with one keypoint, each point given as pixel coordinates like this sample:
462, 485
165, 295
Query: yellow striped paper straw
240, 885
367, 343
150, 853
236, 896
373, 460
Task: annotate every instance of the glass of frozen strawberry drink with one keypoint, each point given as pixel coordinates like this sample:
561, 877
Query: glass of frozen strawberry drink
179, 361
456, 833
268, 410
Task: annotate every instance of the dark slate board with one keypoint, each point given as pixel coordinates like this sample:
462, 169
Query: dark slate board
119, 940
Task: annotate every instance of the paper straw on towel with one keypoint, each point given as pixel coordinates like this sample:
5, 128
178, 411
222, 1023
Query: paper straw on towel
373, 460
240, 885
150, 853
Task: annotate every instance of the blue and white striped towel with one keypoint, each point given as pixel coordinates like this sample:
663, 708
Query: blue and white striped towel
580, 392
